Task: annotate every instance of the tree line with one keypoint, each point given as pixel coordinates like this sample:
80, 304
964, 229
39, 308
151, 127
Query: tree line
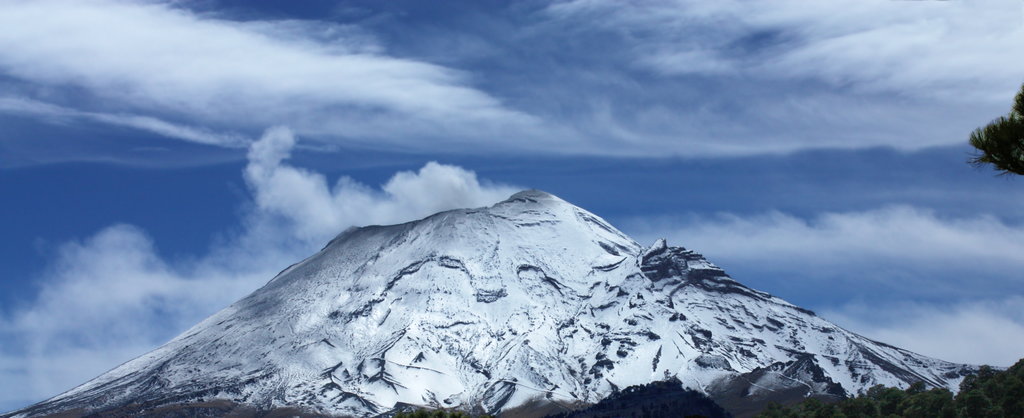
987, 394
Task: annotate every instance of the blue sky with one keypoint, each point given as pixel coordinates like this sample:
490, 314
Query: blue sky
158, 160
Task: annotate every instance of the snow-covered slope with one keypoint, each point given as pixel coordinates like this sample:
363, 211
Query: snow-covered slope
487, 309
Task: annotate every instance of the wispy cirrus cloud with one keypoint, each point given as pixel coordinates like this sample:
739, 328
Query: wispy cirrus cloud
677, 77
740, 77
953, 49
321, 78
26, 106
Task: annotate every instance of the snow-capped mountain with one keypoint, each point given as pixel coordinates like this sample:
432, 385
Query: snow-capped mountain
532, 299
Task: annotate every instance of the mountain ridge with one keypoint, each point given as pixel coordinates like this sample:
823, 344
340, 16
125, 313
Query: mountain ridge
486, 309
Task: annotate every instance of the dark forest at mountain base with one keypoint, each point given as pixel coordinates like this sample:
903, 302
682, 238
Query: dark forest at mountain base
653, 400
988, 394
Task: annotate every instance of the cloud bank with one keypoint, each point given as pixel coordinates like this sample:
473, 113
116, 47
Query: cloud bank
867, 243
989, 331
901, 275
111, 297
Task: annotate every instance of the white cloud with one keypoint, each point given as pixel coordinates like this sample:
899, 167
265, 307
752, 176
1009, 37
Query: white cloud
314, 208
973, 332
953, 49
60, 114
151, 57
681, 77
900, 275
111, 297
733, 77
874, 247
105, 300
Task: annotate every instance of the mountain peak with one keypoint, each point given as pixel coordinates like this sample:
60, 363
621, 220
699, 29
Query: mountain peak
533, 197
533, 194
530, 300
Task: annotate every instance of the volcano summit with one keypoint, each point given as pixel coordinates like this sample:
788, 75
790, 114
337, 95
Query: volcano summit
531, 301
